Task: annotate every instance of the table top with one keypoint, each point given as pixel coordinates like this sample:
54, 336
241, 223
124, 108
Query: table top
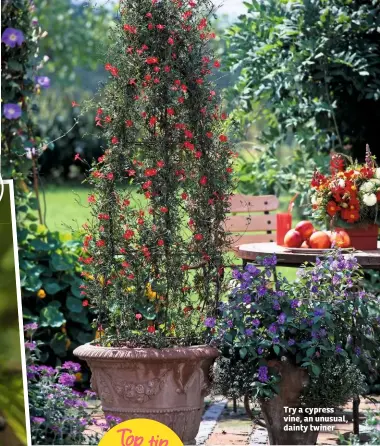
367, 259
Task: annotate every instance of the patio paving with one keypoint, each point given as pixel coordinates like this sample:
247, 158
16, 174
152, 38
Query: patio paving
221, 426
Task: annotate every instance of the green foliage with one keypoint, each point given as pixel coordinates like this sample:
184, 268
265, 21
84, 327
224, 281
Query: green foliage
336, 383
161, 118
310, 69
50, 281
77, 34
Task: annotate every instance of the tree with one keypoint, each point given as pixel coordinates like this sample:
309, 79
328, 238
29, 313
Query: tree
310, 68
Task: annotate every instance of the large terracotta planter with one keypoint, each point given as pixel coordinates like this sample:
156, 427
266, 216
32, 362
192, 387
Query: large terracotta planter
363, 238
167, 385
293, 381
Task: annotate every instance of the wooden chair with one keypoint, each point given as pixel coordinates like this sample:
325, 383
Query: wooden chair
250, 220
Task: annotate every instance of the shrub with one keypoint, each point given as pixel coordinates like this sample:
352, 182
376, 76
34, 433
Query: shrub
323, 316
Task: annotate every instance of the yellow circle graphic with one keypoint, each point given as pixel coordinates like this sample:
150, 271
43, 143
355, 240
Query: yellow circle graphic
140, 432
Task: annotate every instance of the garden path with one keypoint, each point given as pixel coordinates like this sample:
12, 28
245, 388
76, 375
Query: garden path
221, 426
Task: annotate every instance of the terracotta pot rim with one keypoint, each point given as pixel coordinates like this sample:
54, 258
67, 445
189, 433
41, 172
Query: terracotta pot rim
196, 352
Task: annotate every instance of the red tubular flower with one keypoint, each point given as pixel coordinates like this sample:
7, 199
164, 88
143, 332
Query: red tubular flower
128, 234
203, 181
151, 329
150, 172
160, 242
114, 140
198, 237
151, 60
85, 303
152, 121
129, 123
217, 64
223, 138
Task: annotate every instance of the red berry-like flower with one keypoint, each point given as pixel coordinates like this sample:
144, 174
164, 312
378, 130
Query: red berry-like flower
151, 329
160, 163
114, 140
217, 64
152, 121
91, 199
164, 209
170, 111
138, 316
151, 60
198, 237
85, 303
160, 242
171, 41
184, 195
203, 181
223, 138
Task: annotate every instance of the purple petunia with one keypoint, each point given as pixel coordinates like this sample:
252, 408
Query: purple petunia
357, 351
12, 111
295, 303
252, 269
46, 370
236, 274
247, 298
291, 342
67, 380
43, 81
69, 365
210, 322
281, 318
32, 345
338, 349
37, 420
263, 374
260, 350
32, 326
230, 323
249, 332
270, 261
12, 37
276, 305
319, 312
272, 328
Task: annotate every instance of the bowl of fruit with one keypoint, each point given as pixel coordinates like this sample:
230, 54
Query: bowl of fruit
305, 236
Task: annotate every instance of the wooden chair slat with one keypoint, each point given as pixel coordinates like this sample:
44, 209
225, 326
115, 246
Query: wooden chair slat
257, 222
252, 203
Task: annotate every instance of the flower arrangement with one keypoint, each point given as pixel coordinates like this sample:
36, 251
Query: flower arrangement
323, 316
350, 194
154, 249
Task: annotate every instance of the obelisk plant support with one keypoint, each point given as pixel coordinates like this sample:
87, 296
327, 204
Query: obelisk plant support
155, 247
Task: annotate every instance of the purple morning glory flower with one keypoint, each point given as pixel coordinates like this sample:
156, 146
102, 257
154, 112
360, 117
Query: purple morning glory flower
276, 340
67, 380
335, 280
338, 349
322, 333
12, 111
249, 332
43, 81
262, 290
12, 37
230, 323
291, 342
210, 322
260, 350
357, 351
281, 319
276, 305
256, 322
263, 374
69, 365
236, 274
314, 289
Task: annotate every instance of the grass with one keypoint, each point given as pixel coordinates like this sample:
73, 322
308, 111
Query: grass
67, 207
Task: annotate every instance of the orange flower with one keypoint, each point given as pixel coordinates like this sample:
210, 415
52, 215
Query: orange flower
332, 208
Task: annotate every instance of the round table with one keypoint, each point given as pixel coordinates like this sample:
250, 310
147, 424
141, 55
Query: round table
285, 257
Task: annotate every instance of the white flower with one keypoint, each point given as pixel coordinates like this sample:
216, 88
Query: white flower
367, 187
377, 173
369, 199
341, 183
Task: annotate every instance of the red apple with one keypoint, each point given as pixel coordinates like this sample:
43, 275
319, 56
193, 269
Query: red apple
293, 239
305, 228
340, 239
305, 245
319, 240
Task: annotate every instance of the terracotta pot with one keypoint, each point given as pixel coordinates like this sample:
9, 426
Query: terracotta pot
293, 381
363, 238
167, 385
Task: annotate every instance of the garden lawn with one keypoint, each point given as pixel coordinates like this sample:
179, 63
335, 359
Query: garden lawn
67, 209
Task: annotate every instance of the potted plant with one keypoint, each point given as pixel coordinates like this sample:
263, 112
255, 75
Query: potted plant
299, 345
349, 198
155, 248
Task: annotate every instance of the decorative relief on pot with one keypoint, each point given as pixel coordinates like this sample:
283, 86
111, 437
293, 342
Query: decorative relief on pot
205, 372
184, 375
139, 392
